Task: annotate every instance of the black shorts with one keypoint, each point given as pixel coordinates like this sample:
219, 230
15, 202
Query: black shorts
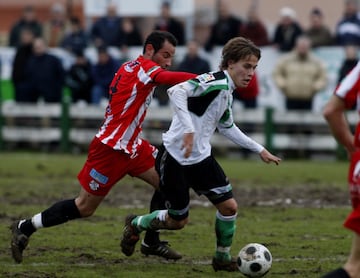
205, 178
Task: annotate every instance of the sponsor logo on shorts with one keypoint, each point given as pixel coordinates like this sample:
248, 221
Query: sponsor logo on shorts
98, 176
94, 185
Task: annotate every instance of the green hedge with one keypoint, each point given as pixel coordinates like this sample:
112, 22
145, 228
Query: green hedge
7, 90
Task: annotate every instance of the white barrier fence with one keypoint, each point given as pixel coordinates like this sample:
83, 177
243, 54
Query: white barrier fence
279, 130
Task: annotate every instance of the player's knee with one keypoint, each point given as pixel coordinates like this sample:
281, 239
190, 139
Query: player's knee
228, 207
178, 224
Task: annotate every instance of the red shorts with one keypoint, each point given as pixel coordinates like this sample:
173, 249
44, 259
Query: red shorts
105, 166
353, 220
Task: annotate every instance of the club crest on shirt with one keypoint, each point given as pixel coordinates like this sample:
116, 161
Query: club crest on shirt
206, 77
129, 67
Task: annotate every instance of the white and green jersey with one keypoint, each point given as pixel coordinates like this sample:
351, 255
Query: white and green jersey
202, 105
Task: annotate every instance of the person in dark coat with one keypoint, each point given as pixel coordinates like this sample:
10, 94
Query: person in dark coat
192, 61
287, 30
102, 73
167, 22
79, 79
132, 35
225, 28
107, 31
350, 61
18, 75
76, 40
27, 21
44, 74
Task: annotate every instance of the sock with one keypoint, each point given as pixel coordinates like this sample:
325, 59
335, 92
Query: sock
151, 221
338, 273
225, 229
58, 213
26, 227
157, 203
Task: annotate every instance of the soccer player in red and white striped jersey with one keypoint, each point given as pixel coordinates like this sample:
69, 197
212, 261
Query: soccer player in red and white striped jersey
347, 96
117, 149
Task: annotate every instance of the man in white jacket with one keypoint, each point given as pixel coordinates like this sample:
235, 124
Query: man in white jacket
201, 106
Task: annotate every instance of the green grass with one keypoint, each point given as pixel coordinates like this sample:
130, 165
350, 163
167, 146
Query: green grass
304, 241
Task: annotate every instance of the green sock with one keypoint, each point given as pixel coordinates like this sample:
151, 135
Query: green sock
225, 228
143, 222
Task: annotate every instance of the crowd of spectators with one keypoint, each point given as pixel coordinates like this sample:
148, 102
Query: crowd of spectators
88, 81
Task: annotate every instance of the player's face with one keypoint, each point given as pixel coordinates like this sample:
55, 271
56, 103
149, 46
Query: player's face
165, 55
242, 71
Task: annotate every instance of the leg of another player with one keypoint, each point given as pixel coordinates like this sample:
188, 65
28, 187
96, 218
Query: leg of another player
83, 206
225, 226
157, 203
152, 245
352, 266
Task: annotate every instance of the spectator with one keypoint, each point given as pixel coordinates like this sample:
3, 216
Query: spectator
348, 28
300, 75
167, 22
27, 21
350, 61
132, 35
192, 61
226, 27
102, 73
318, 32
22, 55
254, 29
107, 31
56, 26
79, 79
287, 30
76, 40
44, 74
248, 95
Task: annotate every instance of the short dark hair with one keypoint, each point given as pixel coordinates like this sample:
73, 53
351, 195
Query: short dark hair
157, 39
236, 49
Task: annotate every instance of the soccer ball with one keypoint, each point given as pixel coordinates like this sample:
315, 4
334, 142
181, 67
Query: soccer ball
254, 260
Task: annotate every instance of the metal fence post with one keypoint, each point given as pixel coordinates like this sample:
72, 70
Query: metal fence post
269, 128
65, 121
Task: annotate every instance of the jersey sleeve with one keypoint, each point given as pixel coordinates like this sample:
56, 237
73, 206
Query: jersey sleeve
178, 96
172, 77
234, 134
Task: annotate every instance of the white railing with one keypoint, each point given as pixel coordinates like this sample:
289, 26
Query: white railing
278, 130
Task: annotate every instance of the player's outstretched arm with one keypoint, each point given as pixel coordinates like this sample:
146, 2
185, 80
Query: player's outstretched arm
267, 157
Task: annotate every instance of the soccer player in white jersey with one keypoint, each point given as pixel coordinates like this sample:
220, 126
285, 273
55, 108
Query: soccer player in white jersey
201, 106
117, 149
346, 96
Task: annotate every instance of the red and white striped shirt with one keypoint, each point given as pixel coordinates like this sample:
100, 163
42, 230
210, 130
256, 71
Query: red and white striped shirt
130, 95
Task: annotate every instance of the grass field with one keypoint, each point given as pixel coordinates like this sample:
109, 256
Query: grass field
295, 209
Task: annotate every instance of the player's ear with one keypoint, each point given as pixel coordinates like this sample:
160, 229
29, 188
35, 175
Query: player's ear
149, 49
230, 63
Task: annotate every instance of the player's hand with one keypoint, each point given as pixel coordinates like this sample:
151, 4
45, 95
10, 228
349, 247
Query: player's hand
267, 157
188, 141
